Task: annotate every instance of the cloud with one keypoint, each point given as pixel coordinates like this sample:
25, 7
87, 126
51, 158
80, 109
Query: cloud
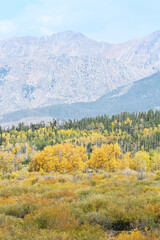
50, 16
105, 20
7, 28
45, 17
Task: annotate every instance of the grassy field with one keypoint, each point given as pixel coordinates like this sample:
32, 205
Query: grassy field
87, 206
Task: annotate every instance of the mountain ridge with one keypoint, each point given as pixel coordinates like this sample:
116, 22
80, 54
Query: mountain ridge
141, 95
68, 67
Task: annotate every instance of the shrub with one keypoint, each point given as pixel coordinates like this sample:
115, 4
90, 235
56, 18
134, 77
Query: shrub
55, 217
60, 194
87, 232
17, 209
95, 218
136, 235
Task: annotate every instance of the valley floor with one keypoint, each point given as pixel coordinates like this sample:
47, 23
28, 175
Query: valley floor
93, 206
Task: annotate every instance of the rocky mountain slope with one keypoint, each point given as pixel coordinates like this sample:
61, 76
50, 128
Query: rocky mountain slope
68, 67
141, 95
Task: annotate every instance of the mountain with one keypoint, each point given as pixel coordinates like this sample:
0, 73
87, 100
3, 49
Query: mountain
140, 51
68, 67
139, 96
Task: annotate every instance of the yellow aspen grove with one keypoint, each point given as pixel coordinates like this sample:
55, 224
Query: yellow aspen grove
18, 157
62, 158
97, 160
106, 157
125, 161
6, 162
28, 150
113, 153
155, 160
141, 161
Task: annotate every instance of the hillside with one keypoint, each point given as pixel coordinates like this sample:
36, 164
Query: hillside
139, 96
68, 67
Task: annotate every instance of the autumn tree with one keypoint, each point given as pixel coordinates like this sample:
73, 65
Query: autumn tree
62, 158
106, 157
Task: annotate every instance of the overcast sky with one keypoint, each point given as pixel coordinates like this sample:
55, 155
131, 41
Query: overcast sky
105, 20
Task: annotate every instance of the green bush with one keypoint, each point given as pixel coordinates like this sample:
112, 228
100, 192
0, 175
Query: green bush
17, 209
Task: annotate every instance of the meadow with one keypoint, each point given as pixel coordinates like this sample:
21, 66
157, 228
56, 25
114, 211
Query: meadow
94, 179
94, 205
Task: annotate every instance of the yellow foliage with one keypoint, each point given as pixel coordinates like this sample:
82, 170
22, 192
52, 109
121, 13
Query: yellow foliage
141, 161
105, 157
6, 161
125, 161
62, 158
135, 235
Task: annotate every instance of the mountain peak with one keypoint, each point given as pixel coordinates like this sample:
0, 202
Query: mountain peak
69, 35
34, 71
